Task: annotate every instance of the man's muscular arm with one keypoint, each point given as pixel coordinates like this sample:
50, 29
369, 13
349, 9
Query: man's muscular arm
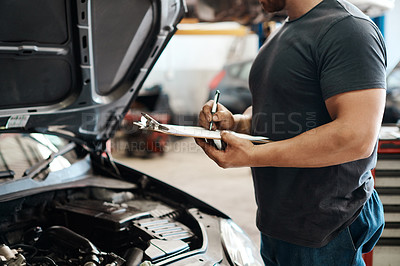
351, 136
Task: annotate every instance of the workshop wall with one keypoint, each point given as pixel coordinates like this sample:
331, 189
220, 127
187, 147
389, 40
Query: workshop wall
392, 35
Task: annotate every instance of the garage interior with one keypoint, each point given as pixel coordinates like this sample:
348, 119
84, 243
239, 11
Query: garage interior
210, 40
88, 175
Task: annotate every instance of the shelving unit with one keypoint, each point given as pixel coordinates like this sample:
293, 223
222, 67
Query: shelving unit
387, 183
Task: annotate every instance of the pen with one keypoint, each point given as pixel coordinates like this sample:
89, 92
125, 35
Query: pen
214, 107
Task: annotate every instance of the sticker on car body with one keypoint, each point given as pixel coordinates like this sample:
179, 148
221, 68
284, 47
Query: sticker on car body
17, 121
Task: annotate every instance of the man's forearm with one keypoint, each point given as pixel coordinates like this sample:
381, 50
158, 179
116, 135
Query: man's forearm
330, 144
351, 135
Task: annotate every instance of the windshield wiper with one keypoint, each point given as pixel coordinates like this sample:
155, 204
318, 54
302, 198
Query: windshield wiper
6, 173
39, 167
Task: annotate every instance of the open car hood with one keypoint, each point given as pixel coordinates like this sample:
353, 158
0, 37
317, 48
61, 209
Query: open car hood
73, 67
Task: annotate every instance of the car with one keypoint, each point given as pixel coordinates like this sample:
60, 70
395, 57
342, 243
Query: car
232, 82
392, 108
144, 143
69, 73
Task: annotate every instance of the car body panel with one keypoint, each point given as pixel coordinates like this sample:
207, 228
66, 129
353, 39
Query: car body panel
70, 70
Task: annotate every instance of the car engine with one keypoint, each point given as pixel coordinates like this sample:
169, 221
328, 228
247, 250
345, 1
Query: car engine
94, 226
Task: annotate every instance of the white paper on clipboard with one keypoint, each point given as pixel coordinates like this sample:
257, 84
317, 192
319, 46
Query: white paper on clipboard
191, 131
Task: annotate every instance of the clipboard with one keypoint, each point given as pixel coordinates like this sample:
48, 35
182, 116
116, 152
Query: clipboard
148, 123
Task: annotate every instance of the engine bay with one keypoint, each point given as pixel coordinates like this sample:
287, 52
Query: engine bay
95, 226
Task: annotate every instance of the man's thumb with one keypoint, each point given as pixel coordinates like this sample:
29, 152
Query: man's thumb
215, 117
221, 116
229, 138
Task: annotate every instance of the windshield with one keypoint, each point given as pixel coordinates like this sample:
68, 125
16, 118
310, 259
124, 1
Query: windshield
19, 152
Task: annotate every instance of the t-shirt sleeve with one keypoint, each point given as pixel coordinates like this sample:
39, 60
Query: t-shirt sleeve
351, 56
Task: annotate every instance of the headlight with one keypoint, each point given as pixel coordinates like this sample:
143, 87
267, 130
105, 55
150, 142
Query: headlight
240, 248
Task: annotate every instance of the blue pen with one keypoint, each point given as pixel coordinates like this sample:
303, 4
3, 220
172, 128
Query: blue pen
214, 107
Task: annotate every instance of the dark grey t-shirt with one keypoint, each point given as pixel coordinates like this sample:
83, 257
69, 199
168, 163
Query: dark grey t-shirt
332, 49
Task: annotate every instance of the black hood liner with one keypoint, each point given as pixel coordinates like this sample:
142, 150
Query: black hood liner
40, 21
29, 77
75, 66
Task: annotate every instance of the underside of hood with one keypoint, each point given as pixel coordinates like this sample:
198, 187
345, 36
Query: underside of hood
250, 12
73, 67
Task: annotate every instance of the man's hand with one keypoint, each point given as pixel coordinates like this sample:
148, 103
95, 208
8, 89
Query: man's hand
238, 152
222, 119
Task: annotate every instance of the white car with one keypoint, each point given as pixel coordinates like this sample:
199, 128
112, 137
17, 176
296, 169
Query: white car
68, 73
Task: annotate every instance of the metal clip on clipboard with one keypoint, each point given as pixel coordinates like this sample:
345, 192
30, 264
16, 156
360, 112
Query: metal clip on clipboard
148, 122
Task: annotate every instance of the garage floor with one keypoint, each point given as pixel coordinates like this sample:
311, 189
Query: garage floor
185, 166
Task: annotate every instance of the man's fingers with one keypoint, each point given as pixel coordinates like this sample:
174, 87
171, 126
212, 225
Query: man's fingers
233, 141
208, 149
203, 122
209, 103
218, 116
200, 142
204, 145
221, 114
230, 138
207, 110
222, 119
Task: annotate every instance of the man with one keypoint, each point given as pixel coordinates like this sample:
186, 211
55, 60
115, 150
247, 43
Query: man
318, 87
